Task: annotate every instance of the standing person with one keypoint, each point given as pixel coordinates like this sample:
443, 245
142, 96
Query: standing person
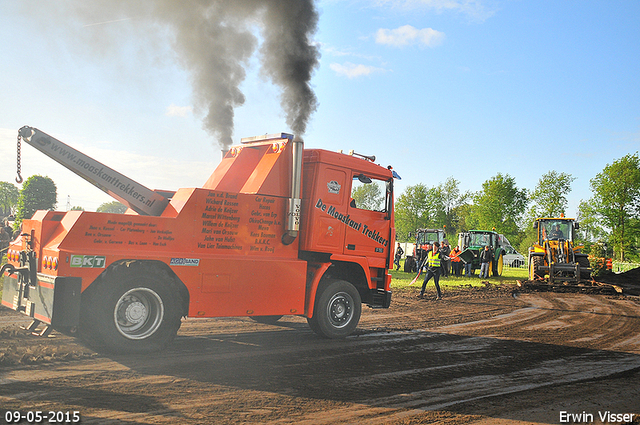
445, 250
399, 254
468, 269
433, 269
456, 262
486, 258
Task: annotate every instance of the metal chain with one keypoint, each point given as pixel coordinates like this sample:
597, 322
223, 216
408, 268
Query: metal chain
19, 178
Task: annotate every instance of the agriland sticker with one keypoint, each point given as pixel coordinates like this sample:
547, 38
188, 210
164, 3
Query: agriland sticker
333, 187
185, 262
88, 261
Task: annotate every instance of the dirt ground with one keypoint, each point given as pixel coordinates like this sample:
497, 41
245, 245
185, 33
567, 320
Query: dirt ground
490, 355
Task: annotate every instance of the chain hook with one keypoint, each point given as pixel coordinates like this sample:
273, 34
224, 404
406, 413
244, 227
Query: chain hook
19, 178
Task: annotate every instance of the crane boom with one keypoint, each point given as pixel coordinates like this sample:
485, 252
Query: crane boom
132, 194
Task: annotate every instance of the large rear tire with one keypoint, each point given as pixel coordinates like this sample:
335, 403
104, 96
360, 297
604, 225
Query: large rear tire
498, 265
337, 309
132, 308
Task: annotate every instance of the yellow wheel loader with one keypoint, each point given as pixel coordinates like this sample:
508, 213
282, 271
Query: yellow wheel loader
555, 255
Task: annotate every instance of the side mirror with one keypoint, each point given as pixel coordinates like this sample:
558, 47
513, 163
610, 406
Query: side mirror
535, 224
577, 226
363, 178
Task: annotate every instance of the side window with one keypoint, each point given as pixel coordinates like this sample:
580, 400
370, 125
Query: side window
368, 194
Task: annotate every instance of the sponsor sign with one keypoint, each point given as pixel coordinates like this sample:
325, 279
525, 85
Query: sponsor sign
184, 262
88, 261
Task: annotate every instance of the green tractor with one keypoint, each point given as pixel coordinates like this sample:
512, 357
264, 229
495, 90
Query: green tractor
473, 242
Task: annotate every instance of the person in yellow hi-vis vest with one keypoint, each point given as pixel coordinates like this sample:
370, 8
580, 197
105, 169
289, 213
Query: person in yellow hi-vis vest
433, 269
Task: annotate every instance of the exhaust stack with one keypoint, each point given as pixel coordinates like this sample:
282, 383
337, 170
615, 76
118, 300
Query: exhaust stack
295, 201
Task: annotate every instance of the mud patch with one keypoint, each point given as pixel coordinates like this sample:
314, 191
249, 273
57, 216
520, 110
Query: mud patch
19, 347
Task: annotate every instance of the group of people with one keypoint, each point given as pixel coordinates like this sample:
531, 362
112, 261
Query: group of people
442, 260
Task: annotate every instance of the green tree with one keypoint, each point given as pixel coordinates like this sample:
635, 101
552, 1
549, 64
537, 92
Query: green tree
439, 207
38, 193
548, 199
500, 205
8, 198
452, 201
616, 200
591, 228
112, 207
549, 196
461, 220
418, 207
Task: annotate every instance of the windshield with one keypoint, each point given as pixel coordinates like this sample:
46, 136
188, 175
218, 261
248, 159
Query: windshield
479, 239
371, 194
427, 238
555, 230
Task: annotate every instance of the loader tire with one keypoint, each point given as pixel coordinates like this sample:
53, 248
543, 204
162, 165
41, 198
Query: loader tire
337, 309
535, 263
131, 308
584, 264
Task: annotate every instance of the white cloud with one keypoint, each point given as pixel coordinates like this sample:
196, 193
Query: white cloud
178, 111
334, 51
352, 70
408, 35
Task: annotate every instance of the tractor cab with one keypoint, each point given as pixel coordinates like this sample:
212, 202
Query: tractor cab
424, 239
473, 242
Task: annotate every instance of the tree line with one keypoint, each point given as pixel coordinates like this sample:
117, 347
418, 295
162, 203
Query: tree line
610, 218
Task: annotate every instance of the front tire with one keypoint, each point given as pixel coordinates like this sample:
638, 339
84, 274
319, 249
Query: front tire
337, 309
584, 265
535, 263
132, 308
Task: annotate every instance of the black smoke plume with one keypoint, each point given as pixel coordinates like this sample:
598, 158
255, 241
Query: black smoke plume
215, 39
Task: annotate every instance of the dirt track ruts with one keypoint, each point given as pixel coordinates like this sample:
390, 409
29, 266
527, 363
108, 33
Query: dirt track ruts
479, 356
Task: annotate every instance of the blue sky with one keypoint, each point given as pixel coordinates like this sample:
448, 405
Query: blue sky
435, 88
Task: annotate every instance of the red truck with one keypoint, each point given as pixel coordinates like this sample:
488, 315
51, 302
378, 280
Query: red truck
274, 231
